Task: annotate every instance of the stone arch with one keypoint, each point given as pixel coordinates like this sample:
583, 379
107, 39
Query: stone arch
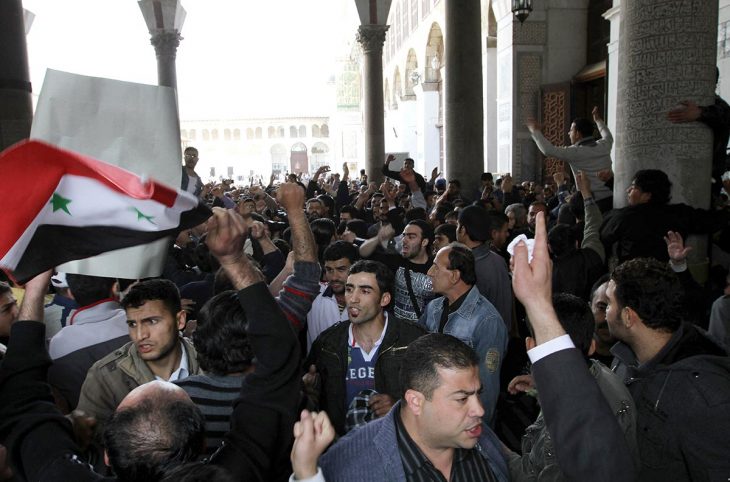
271, 132
320, 155
397, 88
236, 134
298, 158
226, 134
434, 50
259, 133
249, 133
293, 132
279, 158
324, 130
302, 131
411, 79
315, 131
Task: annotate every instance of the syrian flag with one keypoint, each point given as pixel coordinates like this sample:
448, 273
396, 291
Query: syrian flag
61, 206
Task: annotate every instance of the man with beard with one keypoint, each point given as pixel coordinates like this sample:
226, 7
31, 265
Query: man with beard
677, 375
191, 181
354, 365
602, 335
413, 288
329, 307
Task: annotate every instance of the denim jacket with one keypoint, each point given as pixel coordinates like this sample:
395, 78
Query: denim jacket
478, 324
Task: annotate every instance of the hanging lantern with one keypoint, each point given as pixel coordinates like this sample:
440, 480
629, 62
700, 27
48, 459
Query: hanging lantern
521, 9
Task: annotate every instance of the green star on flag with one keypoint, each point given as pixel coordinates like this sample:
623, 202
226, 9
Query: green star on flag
60, 202
141, 215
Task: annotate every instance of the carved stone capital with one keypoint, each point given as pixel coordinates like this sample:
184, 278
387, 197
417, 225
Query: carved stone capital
371, 37
166, 43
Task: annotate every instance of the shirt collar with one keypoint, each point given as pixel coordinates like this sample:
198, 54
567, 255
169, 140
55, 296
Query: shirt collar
183, 371
353, 343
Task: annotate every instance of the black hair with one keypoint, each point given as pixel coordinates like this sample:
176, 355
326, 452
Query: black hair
425, 355
426, 230
496, 220
562, 239
341, 249
220, 339
461, 258
87, 290
656, 183
383, 275
349, 208
190, 149
323, 230
576, 318
448, 230
441, 211
583, 126
147, 440
153, 289
327, 202
359, 227
486, 176
474, 220
455, 182
416, 213
652, 290
198, 472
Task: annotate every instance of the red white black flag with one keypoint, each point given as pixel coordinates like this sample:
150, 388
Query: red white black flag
61, 206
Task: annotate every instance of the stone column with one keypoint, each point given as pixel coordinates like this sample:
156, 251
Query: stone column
667, 54
166, 44
16, 104
371, 38
463, 104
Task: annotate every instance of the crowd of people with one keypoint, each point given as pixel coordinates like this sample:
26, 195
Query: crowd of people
345, 330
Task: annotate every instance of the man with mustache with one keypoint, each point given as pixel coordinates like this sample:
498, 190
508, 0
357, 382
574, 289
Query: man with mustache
328, 307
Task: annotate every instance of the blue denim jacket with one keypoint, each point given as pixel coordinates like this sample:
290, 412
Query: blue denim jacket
478, 324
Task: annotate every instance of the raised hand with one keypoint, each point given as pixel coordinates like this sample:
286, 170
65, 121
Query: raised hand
532, 284
291, 196
312, 434
596, 114
675, 247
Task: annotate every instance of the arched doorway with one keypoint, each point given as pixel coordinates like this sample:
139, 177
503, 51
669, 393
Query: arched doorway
299, 160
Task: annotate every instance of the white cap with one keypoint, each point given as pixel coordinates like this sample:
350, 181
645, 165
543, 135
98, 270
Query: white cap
58, 280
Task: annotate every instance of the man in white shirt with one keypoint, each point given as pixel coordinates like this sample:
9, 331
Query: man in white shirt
329, 307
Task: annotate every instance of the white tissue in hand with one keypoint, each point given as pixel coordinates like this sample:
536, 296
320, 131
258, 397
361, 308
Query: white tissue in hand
530, 246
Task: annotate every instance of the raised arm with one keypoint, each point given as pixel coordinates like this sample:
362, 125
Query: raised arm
593, 217
573, 406
265, 412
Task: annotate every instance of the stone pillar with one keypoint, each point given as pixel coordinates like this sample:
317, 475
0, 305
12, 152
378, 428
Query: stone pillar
667, 54
463, 97
16, 104
371, 38
166, 44
427, 94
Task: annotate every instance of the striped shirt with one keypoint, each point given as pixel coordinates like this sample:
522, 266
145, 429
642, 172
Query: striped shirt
214, 395
467, 466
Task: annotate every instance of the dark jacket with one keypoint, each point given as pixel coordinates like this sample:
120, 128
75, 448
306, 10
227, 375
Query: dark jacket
40, 440
638, 231
185, 180
329, 355
396, 175
682, 400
